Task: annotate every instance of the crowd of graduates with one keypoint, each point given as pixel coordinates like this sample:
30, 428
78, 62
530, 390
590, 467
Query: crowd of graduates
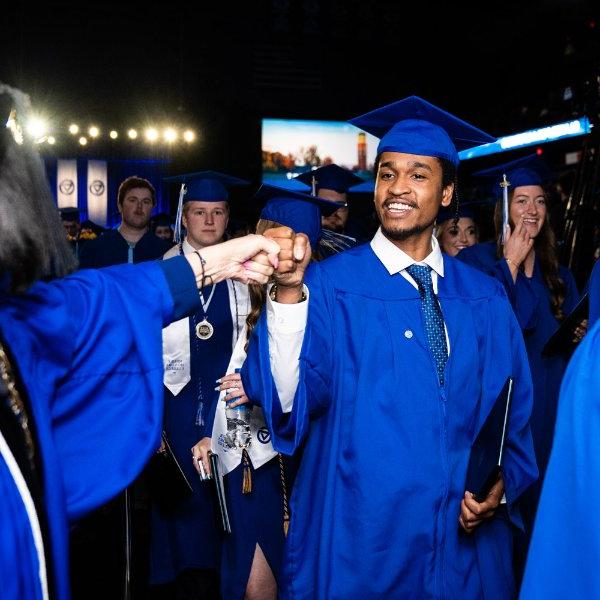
339, 372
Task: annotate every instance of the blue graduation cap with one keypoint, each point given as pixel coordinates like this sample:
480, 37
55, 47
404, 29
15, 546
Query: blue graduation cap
528, 170
450, 212
69, 213
330, 177
161, 220
298, 210
366, 187
414, 126
203, 186
207, 186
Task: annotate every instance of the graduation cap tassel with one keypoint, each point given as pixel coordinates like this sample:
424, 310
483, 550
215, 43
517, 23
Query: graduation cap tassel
335, 242
286, 509
177, 235
247, 479
504, 185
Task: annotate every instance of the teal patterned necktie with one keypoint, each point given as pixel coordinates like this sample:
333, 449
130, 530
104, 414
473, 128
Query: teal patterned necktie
434, 320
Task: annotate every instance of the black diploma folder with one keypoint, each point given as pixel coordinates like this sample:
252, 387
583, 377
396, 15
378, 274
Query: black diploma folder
219, 492
167, 482
487, 451
561, 341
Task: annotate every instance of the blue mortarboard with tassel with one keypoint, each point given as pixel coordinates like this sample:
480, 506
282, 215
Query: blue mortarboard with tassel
528, 170
330, 177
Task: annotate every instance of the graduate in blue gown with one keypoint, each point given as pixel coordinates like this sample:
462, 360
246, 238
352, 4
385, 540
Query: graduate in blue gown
185, 544
390, 396
333, 183
133, 241
78, 352
257, 478
565, 547
541, 291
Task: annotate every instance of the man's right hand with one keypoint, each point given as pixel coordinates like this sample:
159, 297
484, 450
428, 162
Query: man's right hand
294, 257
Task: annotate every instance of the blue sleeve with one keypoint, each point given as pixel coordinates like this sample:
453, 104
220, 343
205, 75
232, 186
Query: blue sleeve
504, 354
90, 350
572, 295
209, 418
565, 547
594, 292
182, 285
288, 430
520, 467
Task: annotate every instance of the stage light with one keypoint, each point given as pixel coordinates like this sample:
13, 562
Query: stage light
113, 135
170, 135
151, 134
539, 151
581, 126
189, 136
37, 128
73, 129
132, 133
83, 140
51, 140
94, 131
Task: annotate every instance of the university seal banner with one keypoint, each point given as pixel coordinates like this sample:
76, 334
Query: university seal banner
66, 183
97, 194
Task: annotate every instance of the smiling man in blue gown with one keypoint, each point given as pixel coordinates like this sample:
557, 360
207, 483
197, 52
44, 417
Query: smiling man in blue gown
384, 376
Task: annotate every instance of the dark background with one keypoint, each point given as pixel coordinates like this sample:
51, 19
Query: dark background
220, 67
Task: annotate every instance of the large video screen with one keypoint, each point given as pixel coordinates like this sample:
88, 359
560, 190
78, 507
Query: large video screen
291, 147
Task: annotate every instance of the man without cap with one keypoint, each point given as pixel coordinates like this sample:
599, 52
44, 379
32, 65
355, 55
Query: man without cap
132, 241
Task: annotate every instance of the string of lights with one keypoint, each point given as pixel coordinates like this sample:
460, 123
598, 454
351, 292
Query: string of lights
41, 131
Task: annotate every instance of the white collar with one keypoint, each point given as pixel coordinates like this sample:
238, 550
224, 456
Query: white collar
395, 260
187, 247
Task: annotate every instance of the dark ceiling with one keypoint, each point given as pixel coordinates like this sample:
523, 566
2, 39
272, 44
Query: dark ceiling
221, 66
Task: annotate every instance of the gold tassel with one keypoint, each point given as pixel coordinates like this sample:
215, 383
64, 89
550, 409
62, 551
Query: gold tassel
247, 480
286, 524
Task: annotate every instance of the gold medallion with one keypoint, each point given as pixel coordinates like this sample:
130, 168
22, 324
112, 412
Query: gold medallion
204, 330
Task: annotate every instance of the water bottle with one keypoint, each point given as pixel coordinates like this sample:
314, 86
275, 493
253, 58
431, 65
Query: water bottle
238, 425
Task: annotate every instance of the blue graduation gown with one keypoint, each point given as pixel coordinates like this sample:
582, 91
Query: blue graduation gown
187, 537
377, 496
565, 547
530, 299
88, 348
256, 519
112, 249
594, 292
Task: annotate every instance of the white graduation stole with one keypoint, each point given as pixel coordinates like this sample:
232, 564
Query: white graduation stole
260, 450
176, 356
176, 337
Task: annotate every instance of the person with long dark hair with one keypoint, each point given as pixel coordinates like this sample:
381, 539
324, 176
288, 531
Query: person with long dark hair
542, 292
80, 364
